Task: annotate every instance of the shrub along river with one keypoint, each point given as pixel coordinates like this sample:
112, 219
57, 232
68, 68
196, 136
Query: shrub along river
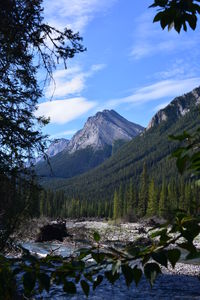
179, 283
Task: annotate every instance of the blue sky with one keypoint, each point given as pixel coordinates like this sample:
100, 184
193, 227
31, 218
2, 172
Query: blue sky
130, 65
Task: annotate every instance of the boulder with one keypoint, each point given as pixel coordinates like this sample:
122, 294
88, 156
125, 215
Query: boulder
54, 231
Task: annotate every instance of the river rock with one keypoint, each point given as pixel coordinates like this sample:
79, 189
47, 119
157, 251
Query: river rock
54, 231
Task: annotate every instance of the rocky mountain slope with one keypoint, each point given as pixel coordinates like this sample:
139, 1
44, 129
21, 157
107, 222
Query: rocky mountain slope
153, 147
103, 129
57, 146
177, 108
101, 136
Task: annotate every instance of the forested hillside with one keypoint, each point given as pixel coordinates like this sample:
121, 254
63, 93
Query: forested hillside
67, 165
102, 135
153, 147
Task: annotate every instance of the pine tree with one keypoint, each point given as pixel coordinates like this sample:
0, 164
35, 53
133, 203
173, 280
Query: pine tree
189, 205
130, 198
125, 202
196, 198
182, 204
172, 197
152, 208
163, 205
143, 195
116, 207
131, 205
121, 201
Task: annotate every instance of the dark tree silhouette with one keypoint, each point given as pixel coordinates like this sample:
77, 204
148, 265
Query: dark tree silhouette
27, 43
177, 14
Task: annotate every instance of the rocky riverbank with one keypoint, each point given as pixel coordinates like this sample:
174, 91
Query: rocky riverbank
81, 233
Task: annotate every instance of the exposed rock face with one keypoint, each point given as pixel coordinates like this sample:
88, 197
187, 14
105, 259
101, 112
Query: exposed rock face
103, 129
177, 108
157, 119
57, 146
99, 131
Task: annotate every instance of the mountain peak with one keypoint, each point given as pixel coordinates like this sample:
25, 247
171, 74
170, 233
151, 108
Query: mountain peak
103, 129
177, 108
56, 146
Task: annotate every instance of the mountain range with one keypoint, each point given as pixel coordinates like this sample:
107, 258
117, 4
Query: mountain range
153, 146
101, 136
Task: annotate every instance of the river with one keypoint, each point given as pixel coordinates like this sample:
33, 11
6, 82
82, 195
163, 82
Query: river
167, 286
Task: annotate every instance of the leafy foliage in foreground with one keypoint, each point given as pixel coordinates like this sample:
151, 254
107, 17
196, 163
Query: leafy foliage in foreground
177, 14
108, 263
188, 155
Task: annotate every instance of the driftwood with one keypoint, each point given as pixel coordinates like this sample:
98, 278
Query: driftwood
54, 231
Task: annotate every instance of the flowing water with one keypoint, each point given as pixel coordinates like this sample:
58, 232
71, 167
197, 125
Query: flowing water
167, 286
42, 249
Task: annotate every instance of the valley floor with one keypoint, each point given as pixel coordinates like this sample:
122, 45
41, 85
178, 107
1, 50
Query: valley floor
179, 283
117, 235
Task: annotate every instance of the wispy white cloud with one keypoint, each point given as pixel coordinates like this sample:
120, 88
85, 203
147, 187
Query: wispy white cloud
70, 81
66, 133
64, 111
149, 39
158, 90
75, 14
180, 69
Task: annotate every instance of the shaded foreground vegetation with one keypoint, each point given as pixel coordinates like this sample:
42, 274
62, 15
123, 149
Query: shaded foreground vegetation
88, 267
19, 95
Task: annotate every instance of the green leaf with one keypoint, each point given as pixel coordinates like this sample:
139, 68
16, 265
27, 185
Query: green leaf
160, 257
192, 20
161, 3
187, 219
178, 24
164, 237
132, 250
110, 277
164, 21
97, 281
188, 246
29, 280
44, 281
170, 26
96, 236
137, 274
98, 257
85, 287
173, 256
116, 267
192, 229
158, 17
151, 271
158, 233
128, 274
69, 287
